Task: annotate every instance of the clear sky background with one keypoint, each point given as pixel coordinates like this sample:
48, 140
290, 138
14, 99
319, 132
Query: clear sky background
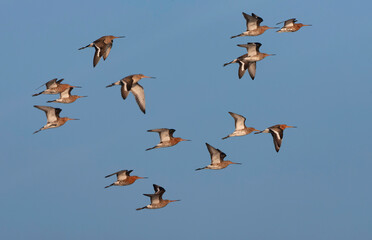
317, 187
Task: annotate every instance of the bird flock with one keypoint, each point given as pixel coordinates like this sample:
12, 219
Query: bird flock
130, 83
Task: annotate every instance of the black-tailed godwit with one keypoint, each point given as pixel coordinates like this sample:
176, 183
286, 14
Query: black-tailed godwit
217, 161
291, 26
277, 133
123, 178
156, 199
53, 118
66, 97
240, 128
166, 138
54, 86
248, 61
130, 84
103, 46
253, 26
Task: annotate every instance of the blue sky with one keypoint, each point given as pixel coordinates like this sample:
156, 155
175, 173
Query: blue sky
316, 187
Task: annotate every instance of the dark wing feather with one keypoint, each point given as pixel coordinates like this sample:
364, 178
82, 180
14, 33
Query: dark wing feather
124, 91
242, 69
259, 19
139, 95
50, 83
107, 51
252, 69
97, 55
277, 138
171, 131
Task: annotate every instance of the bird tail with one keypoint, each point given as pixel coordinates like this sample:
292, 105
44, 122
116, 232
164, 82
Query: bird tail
37, 94
89, 45
150, 148
233, 61
110, 185
39, 130
236, 36
112, 84
141, 208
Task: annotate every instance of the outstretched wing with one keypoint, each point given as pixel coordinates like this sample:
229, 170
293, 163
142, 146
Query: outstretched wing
52, 114
97, 55
239, 121
66, 93
252, 69
290, 22
124, 90
51, 84
242, 69
251, 22
277, 137
106, 51
139, 95
217, 155
165, 134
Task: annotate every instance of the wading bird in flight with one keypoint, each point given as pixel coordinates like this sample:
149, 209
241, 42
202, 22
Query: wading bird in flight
277, 133
103, 47
156, 199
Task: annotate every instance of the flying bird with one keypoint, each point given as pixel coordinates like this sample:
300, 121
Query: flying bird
240, 128
130, 84
166, 138
156, 199
103, 47
277, 133
123, 178
217, 159
248, 61
291, 26
66, 97
54, 86
53, 118
253, 26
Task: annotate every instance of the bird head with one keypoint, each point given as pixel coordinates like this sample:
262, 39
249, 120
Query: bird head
266, 55
284, 126
136, 177
229, 162
180, 140
303, 25
143, 76
113, 37
253, 129
267, 27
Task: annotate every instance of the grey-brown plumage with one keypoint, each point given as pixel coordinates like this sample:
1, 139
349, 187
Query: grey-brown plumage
166, 138
54, 86
130, 84
277, 134
291, 26
53, 118
123, 178
248, 60
103, 47
157, 200
217, 159
240, 128
66, 97
253, 26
